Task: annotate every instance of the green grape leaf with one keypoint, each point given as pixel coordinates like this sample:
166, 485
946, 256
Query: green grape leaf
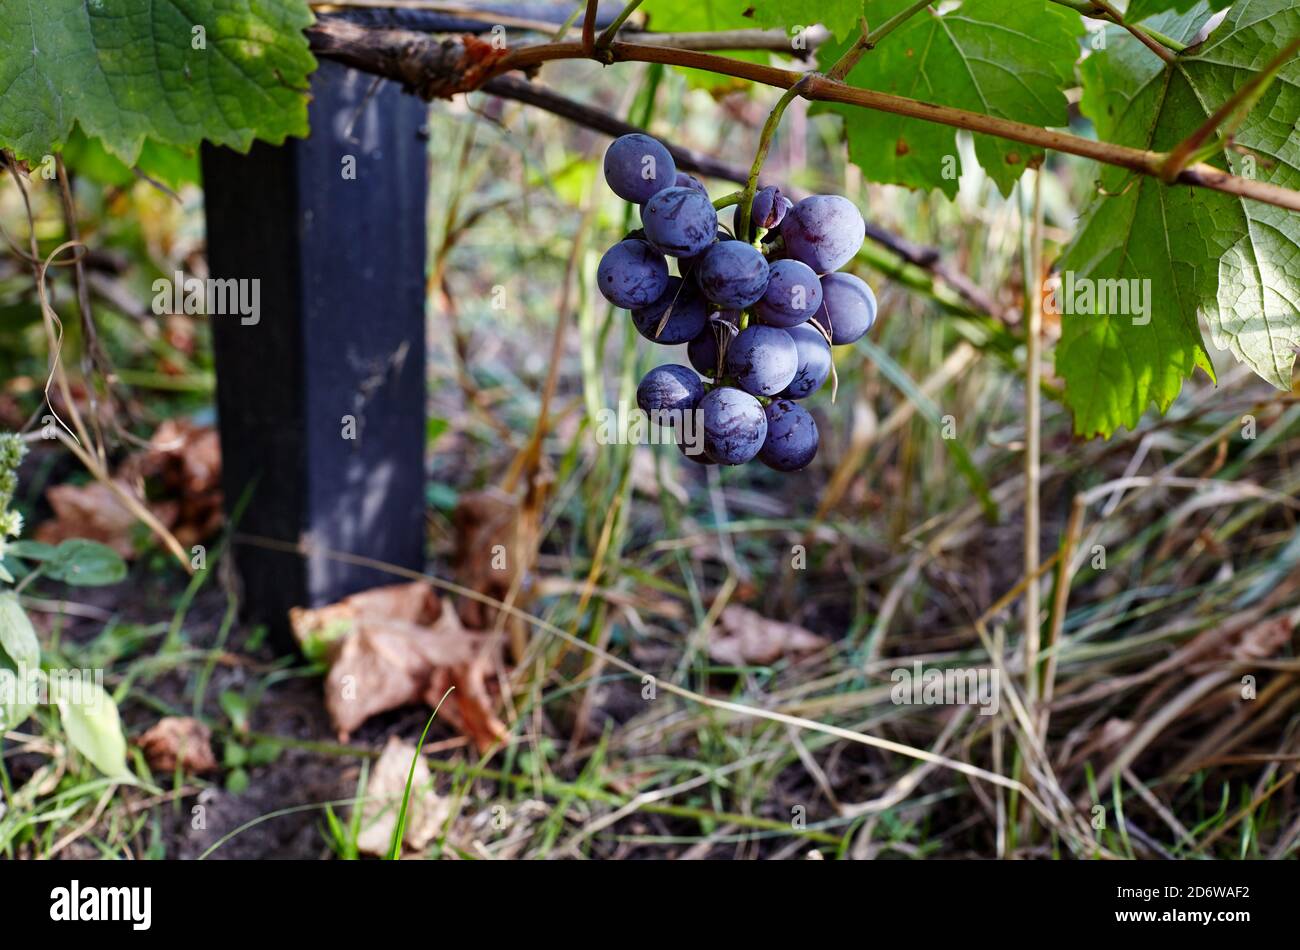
682, 16
168, 164
839, 16
91, 721
705, 16
1007, 58
1139, 10
20, 656
1184, 250
173, 71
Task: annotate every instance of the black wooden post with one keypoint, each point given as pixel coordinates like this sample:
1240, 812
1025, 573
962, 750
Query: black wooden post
321, 401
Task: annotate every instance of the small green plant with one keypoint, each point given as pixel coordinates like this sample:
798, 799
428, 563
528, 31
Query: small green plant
399, 829
88, 714
342, 839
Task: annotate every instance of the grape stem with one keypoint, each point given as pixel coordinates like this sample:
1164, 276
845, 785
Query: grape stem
764, 144
1098, 11
607, 36
727, 200
589, 28
1148, 41
1198, 144
868, 39
441, 68
966, 300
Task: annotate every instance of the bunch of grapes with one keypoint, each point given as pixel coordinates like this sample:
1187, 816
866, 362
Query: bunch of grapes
758, 312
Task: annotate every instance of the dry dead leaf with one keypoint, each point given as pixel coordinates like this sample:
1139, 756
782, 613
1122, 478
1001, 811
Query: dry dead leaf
469, 708
394, 646
1257, 641
94, 511
1264, 639
414, 603
486, 547
179, 474
426, 812
745, 637
183, 463
179, 739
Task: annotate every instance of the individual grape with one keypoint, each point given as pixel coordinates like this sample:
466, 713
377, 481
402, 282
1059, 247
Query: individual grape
690, 314
791, 440
848, 308
669, 388
823, 231
763, 360
690, 181
703, 350
632, 274
680, 221
688, 266
770, 207
767, 210
733, 274
638, 167
793, 294
734, 425
814, 362
693, 449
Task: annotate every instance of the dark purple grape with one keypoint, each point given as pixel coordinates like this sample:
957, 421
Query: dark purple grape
688, 266
632, 274
848, 308
703, 350
823, 231
638, 167
763, 360
690, 181
793, 294
767, 211
734, 425
791, 440
814, 362
733, 274
690, 314
680, 221
770, 207
669, 388
693, 448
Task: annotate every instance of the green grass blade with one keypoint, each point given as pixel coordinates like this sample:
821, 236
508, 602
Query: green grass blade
399, 830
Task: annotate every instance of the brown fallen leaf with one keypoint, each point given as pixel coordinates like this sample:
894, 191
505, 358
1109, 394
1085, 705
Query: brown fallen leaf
486, 546
746, 637
11, 412
178, 476
426, 811
414, 603
470, 706
1264, 639
178, 739
94, 511
183, 464
385, 647
1256, 641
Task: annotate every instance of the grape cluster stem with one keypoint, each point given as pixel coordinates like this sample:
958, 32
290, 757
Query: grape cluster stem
764, 145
